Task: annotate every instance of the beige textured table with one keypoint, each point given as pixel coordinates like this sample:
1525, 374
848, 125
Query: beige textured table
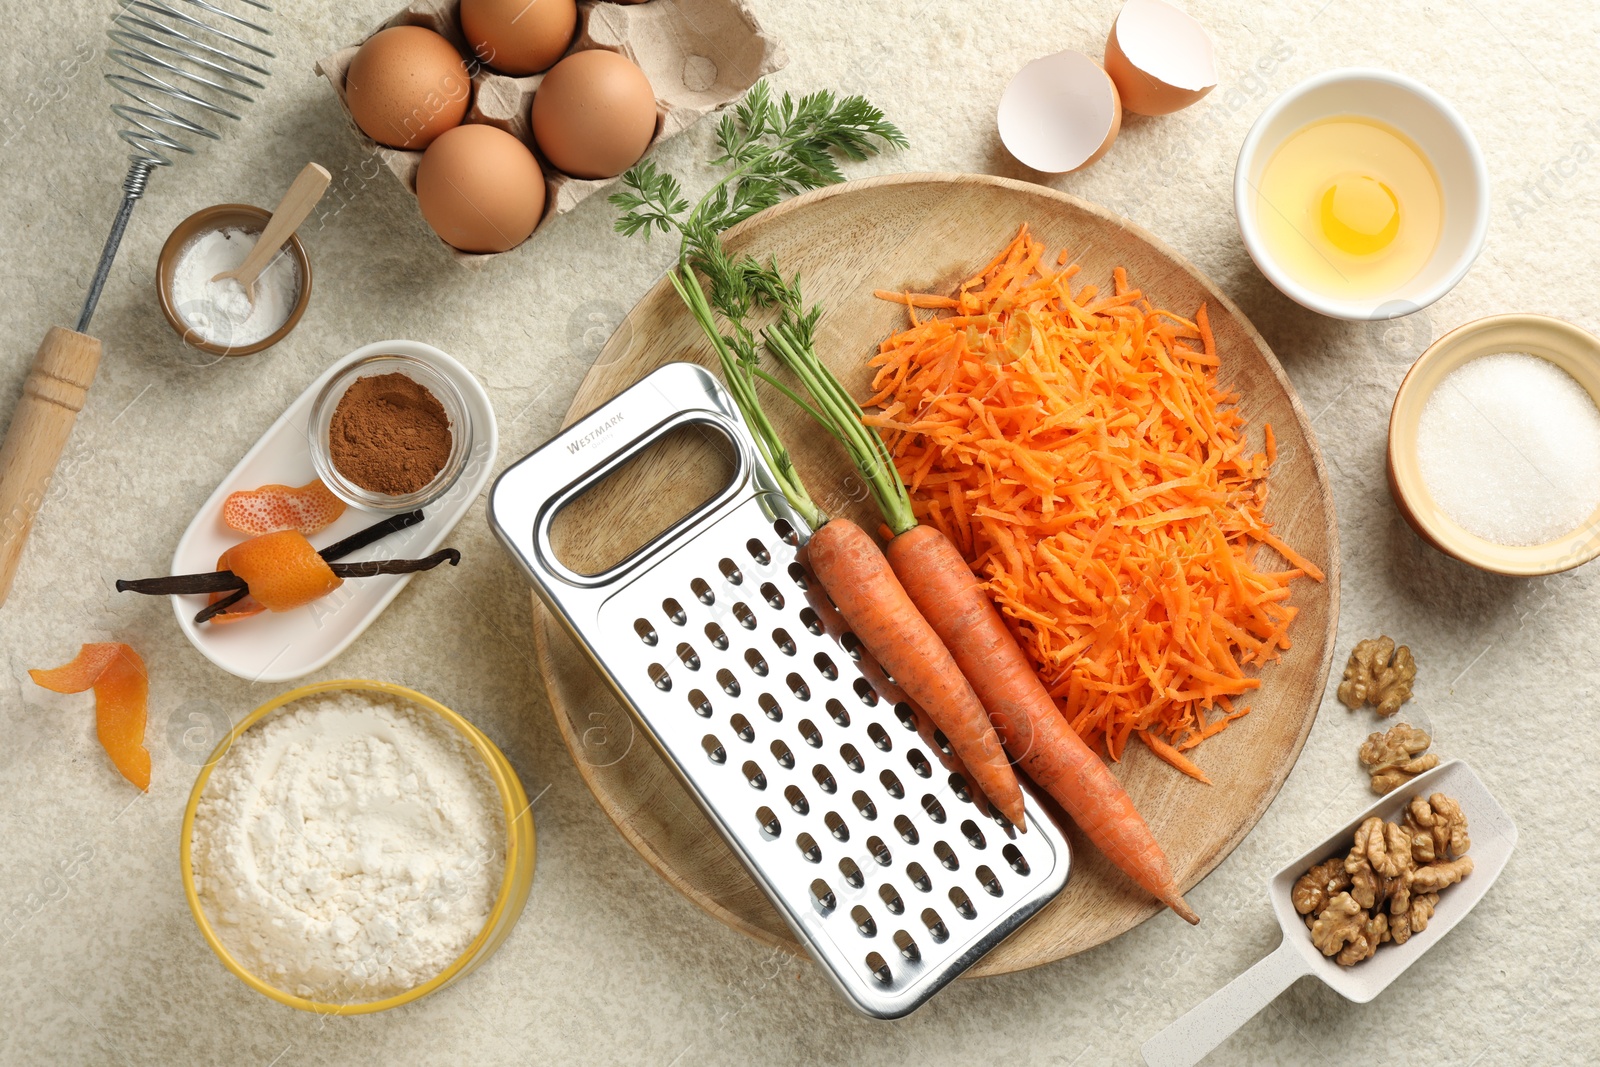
99, 961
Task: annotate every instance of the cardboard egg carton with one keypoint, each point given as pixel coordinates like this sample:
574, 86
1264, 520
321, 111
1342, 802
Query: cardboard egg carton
698, 54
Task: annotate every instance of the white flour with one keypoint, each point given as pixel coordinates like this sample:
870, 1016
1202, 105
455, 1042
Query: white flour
220, 312
348, 849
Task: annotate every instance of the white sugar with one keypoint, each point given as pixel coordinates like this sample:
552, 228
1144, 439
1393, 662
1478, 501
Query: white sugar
1509, 446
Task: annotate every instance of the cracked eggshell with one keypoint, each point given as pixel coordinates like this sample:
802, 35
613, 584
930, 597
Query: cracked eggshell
1060, 113
1160, 58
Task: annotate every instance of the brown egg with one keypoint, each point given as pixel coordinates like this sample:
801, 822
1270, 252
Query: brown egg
594, 114
480, 189
406, 86
519, 36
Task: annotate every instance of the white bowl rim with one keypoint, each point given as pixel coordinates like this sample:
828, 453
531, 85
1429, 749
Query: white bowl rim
1359, 310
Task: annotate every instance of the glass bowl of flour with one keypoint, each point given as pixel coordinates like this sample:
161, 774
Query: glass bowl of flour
353, 845
219, 317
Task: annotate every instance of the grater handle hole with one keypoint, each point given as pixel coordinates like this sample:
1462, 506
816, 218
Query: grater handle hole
678, 473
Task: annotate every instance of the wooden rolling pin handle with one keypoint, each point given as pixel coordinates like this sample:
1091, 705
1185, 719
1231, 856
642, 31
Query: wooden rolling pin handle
52, 396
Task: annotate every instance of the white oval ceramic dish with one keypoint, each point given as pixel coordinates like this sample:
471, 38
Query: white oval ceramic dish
1419, 113
1494, 835
279, 646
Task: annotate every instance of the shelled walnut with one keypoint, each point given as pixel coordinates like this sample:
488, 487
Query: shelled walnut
1396, 756
1387, 887
1320, 884
1378, 674
1438, 828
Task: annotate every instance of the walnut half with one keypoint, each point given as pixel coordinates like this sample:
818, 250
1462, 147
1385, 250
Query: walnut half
1320, 884
1395, 757
1379, 674
1341, 922
1438, 828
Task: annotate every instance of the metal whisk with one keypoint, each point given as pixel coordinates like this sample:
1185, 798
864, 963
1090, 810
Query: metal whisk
185, 65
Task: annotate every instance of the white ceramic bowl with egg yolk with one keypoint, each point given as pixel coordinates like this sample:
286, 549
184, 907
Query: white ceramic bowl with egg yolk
1432, 124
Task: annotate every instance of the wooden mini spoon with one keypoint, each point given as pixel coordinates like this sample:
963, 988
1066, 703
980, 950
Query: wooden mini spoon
292, 210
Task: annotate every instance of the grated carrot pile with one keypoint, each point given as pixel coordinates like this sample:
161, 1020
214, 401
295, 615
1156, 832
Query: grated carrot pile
1078, 450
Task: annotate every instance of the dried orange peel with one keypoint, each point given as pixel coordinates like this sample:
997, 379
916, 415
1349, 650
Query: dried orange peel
282, 570
309, 508
117, 675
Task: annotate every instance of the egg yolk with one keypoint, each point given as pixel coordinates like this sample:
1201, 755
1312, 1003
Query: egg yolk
1360, 215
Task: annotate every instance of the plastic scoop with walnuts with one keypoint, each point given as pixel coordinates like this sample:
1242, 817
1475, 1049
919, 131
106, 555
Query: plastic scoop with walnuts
1387, 887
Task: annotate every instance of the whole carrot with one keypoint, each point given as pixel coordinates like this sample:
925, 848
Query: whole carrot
944, 589
873, 601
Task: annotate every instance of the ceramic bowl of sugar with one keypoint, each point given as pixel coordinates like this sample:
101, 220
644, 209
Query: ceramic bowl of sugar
218, 317
1494, 445
353, 845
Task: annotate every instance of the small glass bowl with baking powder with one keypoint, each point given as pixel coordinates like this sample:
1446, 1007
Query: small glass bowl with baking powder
425, 374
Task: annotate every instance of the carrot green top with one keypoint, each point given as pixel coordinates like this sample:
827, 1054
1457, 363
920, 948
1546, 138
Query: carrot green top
770, 147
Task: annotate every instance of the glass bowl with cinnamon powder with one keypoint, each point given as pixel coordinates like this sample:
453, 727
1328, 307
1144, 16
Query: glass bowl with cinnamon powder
389, 433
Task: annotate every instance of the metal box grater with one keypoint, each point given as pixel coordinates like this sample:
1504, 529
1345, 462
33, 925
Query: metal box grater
841, 804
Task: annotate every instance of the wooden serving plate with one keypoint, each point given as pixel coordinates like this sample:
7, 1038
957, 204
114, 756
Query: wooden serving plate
928, 232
